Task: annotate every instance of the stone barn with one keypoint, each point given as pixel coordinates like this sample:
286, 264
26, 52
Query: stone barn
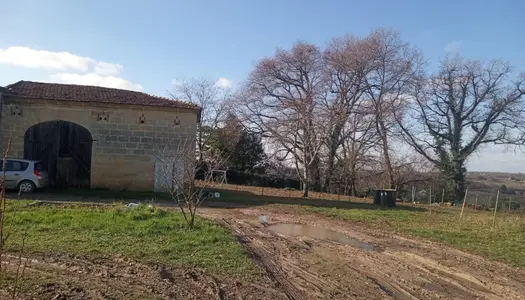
89, 136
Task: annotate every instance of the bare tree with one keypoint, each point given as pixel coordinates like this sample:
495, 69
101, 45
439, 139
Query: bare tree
466, 105
410, 169
347, 62
397, 66
282, 99
213, 101
359, 139
176, 170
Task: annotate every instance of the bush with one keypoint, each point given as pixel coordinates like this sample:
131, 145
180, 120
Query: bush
241, 178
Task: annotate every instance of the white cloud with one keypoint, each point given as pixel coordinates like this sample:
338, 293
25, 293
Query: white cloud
453, 46
105, 69
73, 69
31, 58
223, 83
97, 80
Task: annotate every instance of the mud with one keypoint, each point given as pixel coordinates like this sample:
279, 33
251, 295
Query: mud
301, 230
74, 277
315, 266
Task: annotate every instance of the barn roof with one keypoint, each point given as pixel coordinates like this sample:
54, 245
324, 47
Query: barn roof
95, 94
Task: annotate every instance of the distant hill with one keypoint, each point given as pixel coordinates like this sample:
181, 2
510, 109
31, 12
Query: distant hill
486, 185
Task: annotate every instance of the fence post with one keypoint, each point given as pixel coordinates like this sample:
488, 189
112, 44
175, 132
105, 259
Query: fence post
495, 209
430, 199
413, 194
476, 205
463, 205
442, 197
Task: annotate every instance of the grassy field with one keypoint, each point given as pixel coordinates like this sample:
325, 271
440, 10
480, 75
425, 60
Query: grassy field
139, 233
504, 241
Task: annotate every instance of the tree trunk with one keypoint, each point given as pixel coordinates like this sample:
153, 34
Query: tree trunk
388, 164
192, 220
315, 174
353, 178
306, 182
328, 175
390, 171
458, 179
333, 145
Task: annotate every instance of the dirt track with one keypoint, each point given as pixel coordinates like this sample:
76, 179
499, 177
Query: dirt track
403, 268
297, 268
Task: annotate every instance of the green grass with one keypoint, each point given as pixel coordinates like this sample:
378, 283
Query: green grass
504, 241
139, 233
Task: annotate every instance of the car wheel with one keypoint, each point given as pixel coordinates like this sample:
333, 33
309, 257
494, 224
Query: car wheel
26, 186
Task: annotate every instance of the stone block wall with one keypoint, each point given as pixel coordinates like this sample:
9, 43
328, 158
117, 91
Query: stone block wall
126, 138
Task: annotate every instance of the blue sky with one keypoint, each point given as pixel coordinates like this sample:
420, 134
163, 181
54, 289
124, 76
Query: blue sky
145, 45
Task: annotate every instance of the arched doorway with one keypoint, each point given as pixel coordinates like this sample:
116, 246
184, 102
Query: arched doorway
64, 148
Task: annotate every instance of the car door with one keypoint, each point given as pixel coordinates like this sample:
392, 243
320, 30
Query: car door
13, 173
8, 180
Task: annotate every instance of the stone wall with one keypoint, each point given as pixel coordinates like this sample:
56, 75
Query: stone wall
125, 137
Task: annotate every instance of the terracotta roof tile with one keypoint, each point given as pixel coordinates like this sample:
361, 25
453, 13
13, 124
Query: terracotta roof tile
83, 93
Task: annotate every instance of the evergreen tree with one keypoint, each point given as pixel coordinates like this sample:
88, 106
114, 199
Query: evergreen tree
242, 149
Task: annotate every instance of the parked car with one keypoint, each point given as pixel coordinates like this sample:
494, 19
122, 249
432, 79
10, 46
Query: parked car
24, 175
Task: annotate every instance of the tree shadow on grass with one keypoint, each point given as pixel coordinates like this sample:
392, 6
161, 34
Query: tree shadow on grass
228, 199
235, 199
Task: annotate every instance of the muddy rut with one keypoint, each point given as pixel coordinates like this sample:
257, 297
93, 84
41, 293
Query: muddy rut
74, 277
398, 268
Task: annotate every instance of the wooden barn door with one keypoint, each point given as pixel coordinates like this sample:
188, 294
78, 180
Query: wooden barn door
64, 148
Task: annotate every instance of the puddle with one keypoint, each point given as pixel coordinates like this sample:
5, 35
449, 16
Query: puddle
320, 234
